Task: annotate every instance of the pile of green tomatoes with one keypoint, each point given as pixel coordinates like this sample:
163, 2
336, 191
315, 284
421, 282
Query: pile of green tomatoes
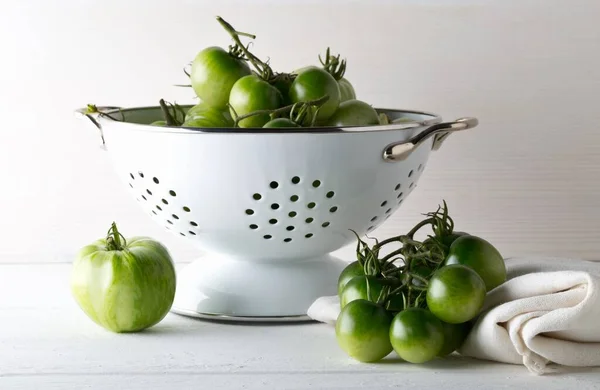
237, 89
419, 300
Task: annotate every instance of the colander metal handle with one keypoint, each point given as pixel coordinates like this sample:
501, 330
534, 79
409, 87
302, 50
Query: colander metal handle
92, 115
401, 150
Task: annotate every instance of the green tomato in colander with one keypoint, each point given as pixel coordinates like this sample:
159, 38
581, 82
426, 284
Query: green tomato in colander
124, 285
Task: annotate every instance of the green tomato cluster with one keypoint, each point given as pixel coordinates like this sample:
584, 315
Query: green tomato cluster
419, 311
234, 83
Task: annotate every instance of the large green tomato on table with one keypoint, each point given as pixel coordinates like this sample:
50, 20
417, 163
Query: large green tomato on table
124, 285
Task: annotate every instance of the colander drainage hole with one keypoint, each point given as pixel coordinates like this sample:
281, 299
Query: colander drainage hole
384, 203
267, 236
186, 209
165, 201
272, 221
253, 227
249, 211
274, 206
292, 214
397, 187
420, 167
158, 207
370, 228
141, 174
411, 185
182, 234
131, 174
330, 194
274, 184
130, 185
290, 228
325, 224
294, 198
388, 211
154, 179
311, 205
257, 196
295, 180
316, 183
148, 191
175, 216
192, 233
400, 195
169, 222
154, 212
287, 240
193, 223
143, 197
172, 193
333, 209
410, 173
309, 220
374, 219
400, 202
308, 235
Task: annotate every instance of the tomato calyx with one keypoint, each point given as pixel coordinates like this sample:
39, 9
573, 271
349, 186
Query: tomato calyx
333, 65
113, 239
170, 113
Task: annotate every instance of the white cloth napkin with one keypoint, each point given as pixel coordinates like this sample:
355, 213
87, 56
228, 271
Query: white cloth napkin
548, 311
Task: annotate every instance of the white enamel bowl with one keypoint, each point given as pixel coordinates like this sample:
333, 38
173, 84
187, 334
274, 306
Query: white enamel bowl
267, 206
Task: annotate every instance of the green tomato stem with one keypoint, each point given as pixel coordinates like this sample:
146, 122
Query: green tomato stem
281, 110
262, 68
113, 239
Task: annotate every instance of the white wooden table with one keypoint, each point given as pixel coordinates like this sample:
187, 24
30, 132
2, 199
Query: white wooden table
46, 342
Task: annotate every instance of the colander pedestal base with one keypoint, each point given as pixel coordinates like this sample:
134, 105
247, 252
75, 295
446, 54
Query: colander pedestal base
221, 288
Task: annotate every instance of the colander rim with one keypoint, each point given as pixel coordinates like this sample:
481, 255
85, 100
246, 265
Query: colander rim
111, 111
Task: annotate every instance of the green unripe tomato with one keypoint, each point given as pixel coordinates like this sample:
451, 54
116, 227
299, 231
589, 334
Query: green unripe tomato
124, 285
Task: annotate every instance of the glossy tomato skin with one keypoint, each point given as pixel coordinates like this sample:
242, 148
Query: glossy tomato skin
480, 255
354, 113
454, 336
356, 288
350, 271
213, 73
347, 91
313, 83
251, 93
362, 331
455, 293
416, 335
280, 123
215, 117
158, 123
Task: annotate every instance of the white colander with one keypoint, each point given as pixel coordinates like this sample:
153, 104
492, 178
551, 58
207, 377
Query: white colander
267, 205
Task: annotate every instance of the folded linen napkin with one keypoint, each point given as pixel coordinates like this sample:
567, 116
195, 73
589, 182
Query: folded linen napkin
548, 311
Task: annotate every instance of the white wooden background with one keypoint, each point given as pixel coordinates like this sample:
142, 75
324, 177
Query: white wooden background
526, 178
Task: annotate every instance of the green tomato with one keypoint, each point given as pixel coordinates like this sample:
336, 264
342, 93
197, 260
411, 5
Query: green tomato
216, 115
203, 115
251, 93
356, 288
346, 90
455, 293
124, 285
454, 336
349, 272
480, 255
417, 336
214, 72
354, 113
280, 122
283, 85
362, 331
314, 83
158, 123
